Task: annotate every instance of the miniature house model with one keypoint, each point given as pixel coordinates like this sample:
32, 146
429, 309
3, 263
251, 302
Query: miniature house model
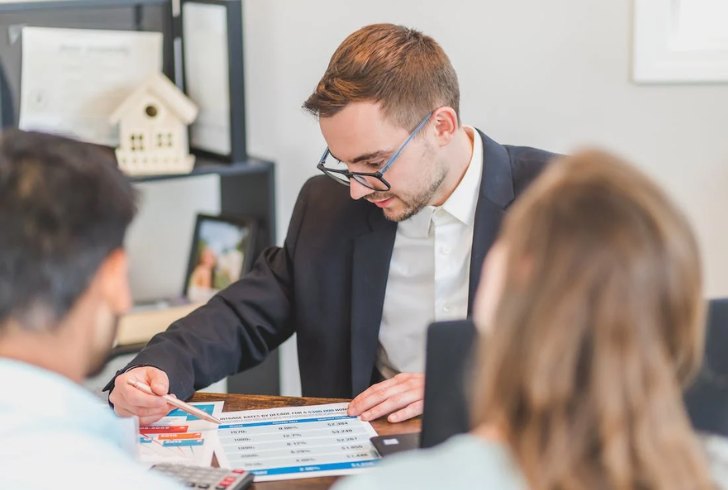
153, 124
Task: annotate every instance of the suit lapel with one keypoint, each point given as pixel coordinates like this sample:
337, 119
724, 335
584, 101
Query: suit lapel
488, 218
496, 193
370, 270
373, 252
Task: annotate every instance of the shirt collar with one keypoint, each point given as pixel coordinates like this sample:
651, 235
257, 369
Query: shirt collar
417, 225
38, 397
462, 202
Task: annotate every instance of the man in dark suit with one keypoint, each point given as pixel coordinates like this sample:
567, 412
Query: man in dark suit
366, 265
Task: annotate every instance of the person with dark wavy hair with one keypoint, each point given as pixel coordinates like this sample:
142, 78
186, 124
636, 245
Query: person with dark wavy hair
64, 211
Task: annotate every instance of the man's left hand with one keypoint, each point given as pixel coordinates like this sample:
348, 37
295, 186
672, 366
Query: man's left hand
401, 396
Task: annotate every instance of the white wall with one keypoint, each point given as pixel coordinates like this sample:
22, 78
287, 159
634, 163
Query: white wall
554, 75
550, 74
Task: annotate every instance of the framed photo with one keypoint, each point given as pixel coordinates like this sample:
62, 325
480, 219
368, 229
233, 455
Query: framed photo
211, 36
680, 41
221, 252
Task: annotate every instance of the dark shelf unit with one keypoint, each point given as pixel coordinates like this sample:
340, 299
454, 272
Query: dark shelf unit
41, 4
247, 186
207, 166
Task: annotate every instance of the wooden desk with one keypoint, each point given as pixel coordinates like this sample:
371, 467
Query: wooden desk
253, 402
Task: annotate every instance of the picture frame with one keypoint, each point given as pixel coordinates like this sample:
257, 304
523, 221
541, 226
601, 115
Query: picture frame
117, 15
211, 37
680, 41
222, 251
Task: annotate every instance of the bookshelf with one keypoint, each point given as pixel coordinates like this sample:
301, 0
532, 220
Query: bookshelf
246, 188
247, 185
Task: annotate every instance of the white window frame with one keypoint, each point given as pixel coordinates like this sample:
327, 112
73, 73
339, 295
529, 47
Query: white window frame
658, 57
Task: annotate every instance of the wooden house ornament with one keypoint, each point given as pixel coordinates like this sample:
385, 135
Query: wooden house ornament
153, 123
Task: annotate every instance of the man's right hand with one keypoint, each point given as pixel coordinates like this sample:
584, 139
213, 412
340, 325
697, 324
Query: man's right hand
130, 401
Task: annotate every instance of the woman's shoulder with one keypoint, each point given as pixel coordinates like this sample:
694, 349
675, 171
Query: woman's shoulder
454, 464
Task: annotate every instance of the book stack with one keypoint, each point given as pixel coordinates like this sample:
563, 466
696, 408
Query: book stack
142, 323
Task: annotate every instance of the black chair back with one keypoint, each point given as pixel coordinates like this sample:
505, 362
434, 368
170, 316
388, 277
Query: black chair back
707, 398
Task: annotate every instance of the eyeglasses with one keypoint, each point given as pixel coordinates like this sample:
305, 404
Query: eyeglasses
374, 180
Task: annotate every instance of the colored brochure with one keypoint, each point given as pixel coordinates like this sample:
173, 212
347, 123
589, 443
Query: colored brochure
180, 438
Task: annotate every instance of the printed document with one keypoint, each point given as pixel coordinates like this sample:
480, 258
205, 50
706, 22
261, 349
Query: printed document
73, 79
296, 442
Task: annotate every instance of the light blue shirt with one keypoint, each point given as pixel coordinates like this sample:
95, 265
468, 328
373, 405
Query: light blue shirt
463, 462
56, 434
467, 462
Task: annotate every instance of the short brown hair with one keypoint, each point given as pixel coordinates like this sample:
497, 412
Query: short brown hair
600, 322
401, 68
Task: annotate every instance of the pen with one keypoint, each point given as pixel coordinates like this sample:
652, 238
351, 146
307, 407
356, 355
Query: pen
174, 401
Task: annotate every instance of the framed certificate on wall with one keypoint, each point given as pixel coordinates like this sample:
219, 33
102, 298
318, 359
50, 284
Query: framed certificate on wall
680, 41
212, 54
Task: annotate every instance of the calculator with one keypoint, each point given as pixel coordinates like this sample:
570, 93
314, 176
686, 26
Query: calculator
206, 477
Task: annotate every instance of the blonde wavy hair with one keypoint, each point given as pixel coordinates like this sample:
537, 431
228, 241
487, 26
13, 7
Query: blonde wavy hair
599, 324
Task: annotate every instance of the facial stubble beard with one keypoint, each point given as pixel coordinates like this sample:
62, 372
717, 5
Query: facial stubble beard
414, 204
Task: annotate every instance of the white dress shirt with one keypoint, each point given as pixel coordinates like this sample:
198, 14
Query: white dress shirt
56, 434
429, 272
